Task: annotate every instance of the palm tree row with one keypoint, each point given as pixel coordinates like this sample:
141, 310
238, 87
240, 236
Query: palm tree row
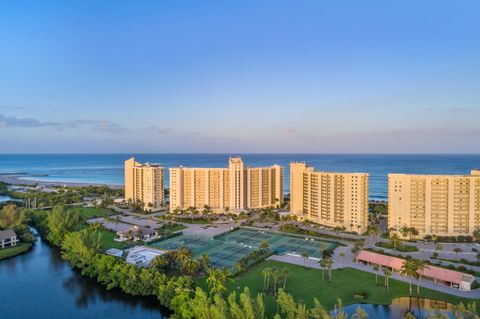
276, 275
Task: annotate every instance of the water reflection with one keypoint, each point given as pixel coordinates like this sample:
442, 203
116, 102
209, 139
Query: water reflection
419, 307
41, 285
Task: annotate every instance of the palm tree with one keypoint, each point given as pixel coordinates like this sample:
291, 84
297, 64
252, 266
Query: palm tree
305, 257
204, 261
286, 273
322, 264
387, 273
434, 238
215, 281
404, 231
329, 265
276, 276
419, 266
183, 254
322, 248
273, 272
264, 245
395, 241
376, 268
413, 232
409, 269
266, 275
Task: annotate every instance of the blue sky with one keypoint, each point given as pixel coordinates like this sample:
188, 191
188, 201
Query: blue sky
240, 76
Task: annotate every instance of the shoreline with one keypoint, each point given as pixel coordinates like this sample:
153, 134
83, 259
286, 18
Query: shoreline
16, 180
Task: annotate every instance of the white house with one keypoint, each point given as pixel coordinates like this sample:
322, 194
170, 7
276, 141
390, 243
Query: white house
8, 238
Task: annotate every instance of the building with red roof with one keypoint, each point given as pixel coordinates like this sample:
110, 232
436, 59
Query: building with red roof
439, 275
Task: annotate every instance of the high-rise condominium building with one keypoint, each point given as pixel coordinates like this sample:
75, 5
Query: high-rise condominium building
233, 188
327, 198
444, 205
144, 184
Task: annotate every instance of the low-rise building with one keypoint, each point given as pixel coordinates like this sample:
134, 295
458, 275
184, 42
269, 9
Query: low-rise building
141, 256
137, 233
438, 275
8, 238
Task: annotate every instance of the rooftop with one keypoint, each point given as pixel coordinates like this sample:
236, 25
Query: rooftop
445, 274
7, 234
382, 260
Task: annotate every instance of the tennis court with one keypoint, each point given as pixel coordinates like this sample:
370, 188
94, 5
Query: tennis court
225, 250
279, 242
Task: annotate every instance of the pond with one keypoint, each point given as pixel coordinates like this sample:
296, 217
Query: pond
420, 307
39, 284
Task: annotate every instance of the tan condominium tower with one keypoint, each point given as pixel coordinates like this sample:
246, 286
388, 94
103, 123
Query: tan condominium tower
444, 205
233, 188
327, 198
144, 184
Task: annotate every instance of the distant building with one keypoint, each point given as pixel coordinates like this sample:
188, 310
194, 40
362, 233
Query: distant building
144, 183
330, 199
234, 188
444, 205
8, 238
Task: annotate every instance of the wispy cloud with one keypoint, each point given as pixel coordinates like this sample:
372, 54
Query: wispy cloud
24, 122
14, 121
450, 110
159, 129
98, 125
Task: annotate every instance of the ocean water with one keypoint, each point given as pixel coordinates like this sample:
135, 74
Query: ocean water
108, 168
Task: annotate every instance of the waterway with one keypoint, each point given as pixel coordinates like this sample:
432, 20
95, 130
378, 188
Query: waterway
39, 284
419, 307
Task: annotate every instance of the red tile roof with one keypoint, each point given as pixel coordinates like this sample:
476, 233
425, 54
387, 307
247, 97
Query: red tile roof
442, 274
429, 271
382, 260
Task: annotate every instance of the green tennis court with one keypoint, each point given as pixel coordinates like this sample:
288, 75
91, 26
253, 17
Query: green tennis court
225, 250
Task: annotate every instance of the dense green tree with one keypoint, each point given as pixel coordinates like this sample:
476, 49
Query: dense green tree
12, 216
59, 222
79, 248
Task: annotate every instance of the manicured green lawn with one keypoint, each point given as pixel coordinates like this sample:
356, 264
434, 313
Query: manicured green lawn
306, 284
92, 212
108, 242
168, 229
403, 248
14, 251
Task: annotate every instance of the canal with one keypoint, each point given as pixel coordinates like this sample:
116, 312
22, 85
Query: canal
39, 284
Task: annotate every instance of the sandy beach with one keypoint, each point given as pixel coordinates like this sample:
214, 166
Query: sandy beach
17, 180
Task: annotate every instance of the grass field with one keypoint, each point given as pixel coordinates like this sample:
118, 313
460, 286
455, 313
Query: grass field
92, 212
14, 251
306, 284
402, 248
108, 242
168, 229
